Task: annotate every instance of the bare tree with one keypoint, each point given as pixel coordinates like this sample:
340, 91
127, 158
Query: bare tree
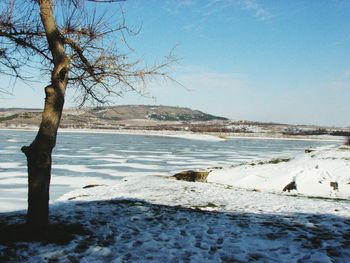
74, 43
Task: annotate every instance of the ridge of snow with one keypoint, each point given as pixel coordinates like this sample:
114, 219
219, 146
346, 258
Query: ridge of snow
312, 173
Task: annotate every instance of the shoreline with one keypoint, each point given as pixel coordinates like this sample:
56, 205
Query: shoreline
192, 135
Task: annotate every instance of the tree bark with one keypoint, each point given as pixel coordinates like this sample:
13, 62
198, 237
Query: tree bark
38, 154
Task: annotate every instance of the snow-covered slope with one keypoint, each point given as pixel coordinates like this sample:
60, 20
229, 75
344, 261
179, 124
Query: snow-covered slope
160, 219
324, 172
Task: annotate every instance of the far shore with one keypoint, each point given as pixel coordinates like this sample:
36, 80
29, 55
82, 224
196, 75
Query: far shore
191, 135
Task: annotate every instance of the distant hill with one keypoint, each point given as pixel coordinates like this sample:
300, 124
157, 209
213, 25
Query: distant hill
19, 109
156, 118
104, 116
160, 113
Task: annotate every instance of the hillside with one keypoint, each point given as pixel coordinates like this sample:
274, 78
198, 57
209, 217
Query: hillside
161, 113
162, 118
107, 116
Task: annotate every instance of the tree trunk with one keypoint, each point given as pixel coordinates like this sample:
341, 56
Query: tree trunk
39, 152
39, 160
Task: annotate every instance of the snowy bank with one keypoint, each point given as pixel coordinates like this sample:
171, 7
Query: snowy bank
323, 172
160, 219
163, 133
207, 136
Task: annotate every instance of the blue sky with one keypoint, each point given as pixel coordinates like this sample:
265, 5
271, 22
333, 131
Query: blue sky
278, 61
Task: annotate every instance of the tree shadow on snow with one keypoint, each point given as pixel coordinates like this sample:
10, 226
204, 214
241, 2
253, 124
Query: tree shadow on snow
135, 230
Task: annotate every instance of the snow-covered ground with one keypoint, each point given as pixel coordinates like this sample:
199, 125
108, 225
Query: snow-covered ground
254, 133
241, 215
162, 133
323, 173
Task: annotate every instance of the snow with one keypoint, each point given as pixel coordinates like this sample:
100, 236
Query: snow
8, 165
240, 215
312, 173
173, 134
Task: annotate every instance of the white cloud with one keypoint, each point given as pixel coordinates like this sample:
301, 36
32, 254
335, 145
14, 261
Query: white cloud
342, 83
347, 74
187, 3
259, 12
201, 79
204, 11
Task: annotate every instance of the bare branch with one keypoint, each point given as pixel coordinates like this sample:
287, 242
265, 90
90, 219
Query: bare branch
100, 67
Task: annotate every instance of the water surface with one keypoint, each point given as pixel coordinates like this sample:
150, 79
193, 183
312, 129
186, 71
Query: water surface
81, 159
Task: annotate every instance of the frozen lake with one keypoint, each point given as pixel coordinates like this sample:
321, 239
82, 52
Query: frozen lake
81, 159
